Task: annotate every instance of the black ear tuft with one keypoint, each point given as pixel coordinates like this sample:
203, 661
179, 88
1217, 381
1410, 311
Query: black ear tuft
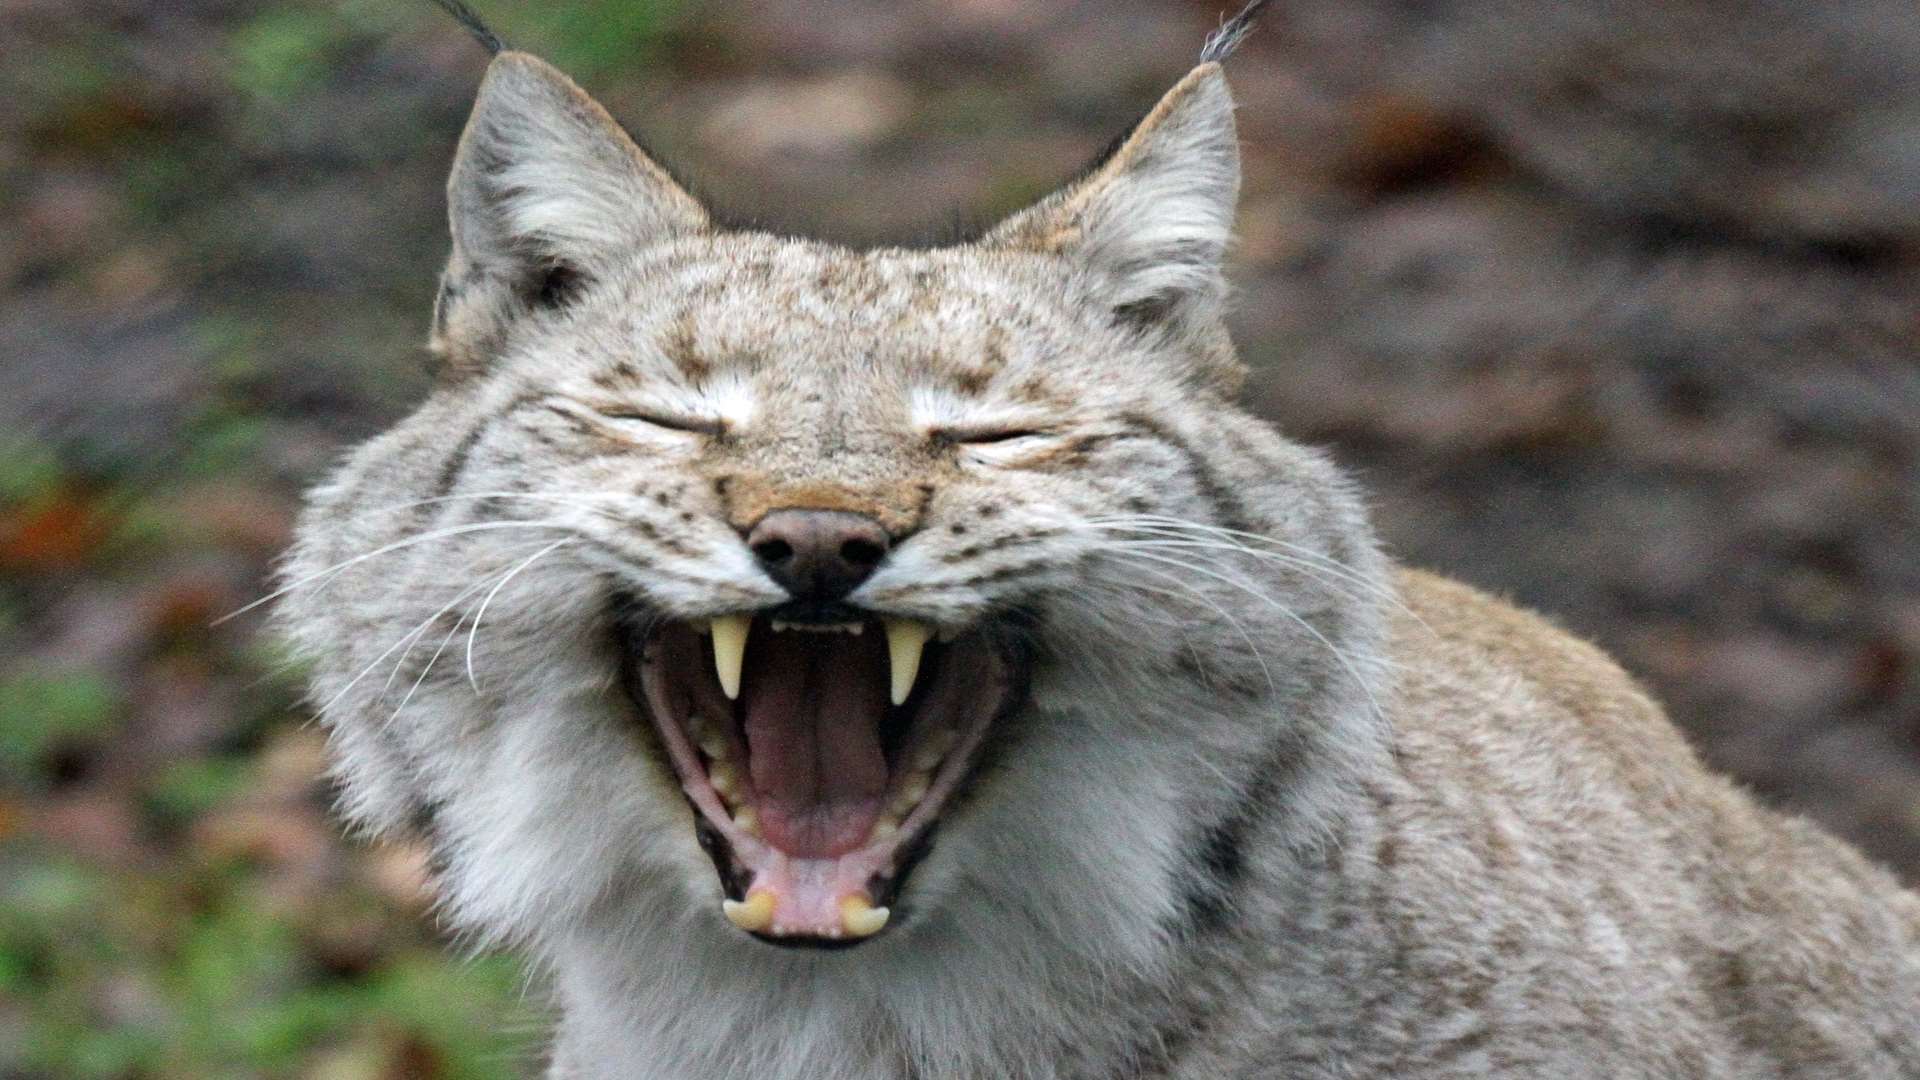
464, 15
1222, 43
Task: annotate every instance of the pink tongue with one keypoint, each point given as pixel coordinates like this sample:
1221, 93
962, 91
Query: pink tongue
814, 703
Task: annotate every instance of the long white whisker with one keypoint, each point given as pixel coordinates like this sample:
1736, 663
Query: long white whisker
1189, 591
411, 635
419, 631
1312, 570
1237, 538
511, 574
431, 660
336, 568
1172, 527
565, 498
1338, 655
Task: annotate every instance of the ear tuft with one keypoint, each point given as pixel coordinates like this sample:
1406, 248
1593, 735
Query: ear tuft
1154, 219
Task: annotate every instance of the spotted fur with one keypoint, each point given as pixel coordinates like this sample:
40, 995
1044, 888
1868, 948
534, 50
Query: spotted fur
1272, 809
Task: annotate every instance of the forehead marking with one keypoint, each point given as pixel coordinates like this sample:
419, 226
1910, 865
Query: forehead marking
972, 379
682, 349
619, 371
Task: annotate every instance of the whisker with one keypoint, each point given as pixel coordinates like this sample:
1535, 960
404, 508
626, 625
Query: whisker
1315, 572
1237, 538
424, 671
411, 635
1338, 655
419, 631
336, 568
1239, 627
478, 615
564, 498
1234, 539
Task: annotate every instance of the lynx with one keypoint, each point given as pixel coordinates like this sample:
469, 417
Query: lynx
876, 664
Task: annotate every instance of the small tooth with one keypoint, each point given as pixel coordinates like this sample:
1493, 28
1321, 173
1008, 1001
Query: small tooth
711, 740
725, 780
856, 629
747, 820
905, 642
885, 829
912, 790
780, 627
859, 918
914, 787
947, 634
937, 747
730, 651
703, 627
754, 914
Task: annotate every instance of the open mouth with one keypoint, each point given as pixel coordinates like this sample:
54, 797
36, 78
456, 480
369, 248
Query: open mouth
819, 755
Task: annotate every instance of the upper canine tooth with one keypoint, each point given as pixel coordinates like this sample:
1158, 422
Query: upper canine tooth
755, 913
730, 650
906, 640
859, 918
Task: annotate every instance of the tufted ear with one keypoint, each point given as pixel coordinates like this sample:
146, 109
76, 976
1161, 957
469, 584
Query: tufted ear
546, 191
1154, 218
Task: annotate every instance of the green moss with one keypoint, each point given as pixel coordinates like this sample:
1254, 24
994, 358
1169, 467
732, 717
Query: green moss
29, 470
588, 37
43, 713
282, 51
207, 975
187, 789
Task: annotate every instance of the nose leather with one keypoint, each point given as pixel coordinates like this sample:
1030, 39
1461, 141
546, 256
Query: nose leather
818, 556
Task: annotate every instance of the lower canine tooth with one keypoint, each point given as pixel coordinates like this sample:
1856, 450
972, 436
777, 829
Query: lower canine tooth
747, 821
755, 913
859, 918
730, 651
725, 780
906, 640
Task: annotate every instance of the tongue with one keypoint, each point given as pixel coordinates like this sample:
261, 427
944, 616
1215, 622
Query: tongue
814, 704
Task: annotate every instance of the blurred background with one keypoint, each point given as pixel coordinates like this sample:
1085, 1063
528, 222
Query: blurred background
1615, 306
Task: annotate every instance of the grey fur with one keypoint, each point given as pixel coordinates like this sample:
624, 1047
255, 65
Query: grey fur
1274, 808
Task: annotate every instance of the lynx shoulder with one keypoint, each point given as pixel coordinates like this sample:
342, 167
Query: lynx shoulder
872, 664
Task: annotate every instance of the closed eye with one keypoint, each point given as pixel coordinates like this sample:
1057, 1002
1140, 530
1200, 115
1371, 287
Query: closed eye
985, 436
694, 424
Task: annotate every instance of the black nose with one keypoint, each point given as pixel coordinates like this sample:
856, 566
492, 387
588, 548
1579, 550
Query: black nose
819, 555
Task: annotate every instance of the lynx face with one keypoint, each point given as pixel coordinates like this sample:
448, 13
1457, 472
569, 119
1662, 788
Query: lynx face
835, 532
736, 589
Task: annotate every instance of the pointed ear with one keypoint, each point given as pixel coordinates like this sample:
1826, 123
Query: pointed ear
1152, 220
546, 191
